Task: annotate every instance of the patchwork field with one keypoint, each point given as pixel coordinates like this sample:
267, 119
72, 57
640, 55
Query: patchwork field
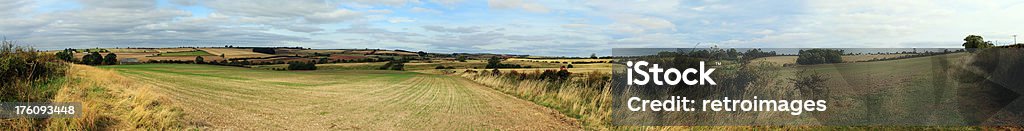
219, 97
234, 52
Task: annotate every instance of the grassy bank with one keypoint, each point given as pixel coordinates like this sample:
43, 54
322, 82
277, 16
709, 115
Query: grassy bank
585, 98
110, 102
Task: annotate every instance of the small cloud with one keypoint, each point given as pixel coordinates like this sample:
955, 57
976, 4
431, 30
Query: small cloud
400, 20
424, 10
334, 16
452, 30
765, 32
573, 26
305, 29
517, 4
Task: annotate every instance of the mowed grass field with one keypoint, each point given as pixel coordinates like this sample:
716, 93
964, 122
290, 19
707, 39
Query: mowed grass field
220, 97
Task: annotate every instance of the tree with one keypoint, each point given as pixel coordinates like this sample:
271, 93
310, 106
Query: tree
199, 60
593, 55
67, 55
819, 56
568, 66
110, 59
301, 65
974, 42
461, 58
493, 62
732, 53
93, 58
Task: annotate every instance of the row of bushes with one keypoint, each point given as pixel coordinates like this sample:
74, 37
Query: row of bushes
398, 64
92, 58
549, 75
301, 66
495, 62
819, 56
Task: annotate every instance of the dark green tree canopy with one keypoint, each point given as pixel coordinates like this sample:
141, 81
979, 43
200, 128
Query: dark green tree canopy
972, 42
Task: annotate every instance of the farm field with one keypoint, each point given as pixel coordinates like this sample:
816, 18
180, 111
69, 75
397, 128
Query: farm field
220, 97
186, 53
234, 52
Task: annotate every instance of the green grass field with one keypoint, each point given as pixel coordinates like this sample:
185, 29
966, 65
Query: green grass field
187, 53
225, 97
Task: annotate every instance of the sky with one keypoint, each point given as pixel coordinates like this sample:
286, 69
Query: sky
547, 28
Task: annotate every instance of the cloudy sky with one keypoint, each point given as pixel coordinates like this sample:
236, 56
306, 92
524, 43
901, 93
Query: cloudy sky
553, 28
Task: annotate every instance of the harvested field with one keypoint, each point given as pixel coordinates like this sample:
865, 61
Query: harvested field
164, 50
233, 98
186, 53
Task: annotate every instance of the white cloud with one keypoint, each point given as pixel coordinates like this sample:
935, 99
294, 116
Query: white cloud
400, 20
424, 10
452, 30
518, 4
334, 16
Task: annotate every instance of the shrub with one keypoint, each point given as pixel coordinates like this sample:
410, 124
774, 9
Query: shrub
23, 70
819, 56
811, 83
397, 64
301, 66
495, 62
93, 58
110, 59
974, 42
199, 60
67, 55
264, 50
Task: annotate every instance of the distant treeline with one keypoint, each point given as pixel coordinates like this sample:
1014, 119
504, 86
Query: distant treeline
92, 58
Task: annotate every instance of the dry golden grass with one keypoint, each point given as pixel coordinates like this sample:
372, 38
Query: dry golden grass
113, 102
126, 50
165, 50
589, 101
234, 52
325, 51
109, 102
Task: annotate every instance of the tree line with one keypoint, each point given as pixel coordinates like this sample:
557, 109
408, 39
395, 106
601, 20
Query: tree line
92, 58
